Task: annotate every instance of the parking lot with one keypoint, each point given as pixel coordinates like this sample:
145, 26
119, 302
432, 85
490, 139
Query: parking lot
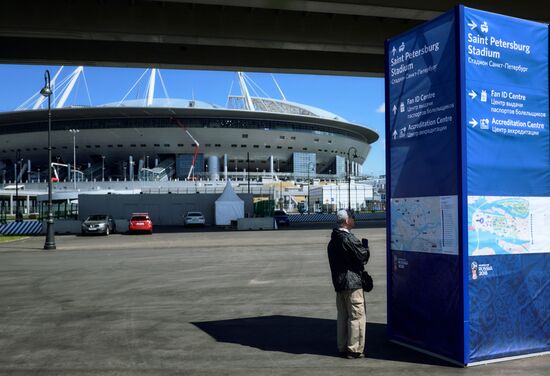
194, 303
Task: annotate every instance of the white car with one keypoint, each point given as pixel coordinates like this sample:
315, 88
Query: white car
194, 218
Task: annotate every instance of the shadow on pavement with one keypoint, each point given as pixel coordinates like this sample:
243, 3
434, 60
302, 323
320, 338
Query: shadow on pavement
304, 335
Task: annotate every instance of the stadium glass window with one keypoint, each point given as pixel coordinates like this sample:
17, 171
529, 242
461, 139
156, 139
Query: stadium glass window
166, 145
207, 145
292, 138
143, 145
316, 140
194, 145
180, 145
282, 137
64, 147
304, 148
109, 146
233, 145
133, 145
157, 145
97, 146
35, 149
87, 147
120, 146
245, 135
330, 141
279, 147
243, 146
218, 145
268, 146
255, 146
290, 148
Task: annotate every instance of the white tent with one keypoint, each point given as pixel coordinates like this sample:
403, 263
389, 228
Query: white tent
229, 207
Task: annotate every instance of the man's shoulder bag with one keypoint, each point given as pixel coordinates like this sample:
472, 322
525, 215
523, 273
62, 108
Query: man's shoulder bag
366, 281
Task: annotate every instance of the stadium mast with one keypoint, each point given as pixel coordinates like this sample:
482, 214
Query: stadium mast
244, 89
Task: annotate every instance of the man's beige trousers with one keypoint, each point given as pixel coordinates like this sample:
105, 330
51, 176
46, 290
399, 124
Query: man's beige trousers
352, 319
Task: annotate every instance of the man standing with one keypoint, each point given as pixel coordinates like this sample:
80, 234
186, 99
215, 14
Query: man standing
347, 258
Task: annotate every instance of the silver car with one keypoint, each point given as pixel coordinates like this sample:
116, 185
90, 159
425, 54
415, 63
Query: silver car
98, 224
194, 218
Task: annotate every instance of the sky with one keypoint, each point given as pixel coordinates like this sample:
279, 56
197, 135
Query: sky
357, 99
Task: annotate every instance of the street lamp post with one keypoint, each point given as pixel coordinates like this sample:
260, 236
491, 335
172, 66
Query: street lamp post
102, 168
349, 172
18, 216
309, 167
74, 132
248, 169
50, 233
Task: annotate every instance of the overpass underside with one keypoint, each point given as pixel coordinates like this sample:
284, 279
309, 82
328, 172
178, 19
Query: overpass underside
322, 36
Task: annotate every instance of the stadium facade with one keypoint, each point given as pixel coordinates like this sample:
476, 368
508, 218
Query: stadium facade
180, 139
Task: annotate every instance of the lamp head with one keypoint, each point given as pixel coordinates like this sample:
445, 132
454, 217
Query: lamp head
46, 91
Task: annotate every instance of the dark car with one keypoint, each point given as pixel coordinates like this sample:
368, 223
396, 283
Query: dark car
281, 218
98, 224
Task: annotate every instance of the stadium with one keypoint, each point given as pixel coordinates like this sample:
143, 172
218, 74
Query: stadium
159, 142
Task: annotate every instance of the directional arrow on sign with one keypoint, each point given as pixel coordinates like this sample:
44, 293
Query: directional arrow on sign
394, 135
394, 109
393, 51
472, 25
472, 94
473, 123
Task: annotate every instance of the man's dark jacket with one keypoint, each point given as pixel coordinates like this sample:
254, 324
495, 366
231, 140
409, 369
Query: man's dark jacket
346, 256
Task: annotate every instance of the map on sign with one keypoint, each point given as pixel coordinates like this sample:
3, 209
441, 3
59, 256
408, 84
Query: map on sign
425, 224
508, 225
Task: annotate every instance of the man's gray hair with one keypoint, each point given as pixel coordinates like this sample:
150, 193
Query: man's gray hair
341, 216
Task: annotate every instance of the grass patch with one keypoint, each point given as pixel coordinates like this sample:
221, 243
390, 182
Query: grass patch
4, 239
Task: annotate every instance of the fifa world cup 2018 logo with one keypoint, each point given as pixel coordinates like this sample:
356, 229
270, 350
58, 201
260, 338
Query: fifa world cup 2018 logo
474, 270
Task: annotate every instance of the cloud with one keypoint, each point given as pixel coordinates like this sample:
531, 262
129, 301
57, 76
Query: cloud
381, 108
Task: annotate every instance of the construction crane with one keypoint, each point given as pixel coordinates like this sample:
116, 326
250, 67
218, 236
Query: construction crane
196, 147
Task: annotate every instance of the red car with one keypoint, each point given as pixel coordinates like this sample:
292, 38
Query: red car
140, 222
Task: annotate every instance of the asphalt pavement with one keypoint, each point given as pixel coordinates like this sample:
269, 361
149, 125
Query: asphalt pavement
195, 303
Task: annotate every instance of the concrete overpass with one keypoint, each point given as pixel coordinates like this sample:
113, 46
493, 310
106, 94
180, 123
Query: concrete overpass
321, 36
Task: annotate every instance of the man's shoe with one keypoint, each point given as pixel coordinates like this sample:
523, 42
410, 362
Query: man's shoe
355, 355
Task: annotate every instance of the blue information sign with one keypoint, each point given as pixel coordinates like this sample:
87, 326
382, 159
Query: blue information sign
505, 102
422, 131
422, 110
468, 169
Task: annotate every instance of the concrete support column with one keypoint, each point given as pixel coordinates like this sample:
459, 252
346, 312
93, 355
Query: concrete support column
213, 167
11, 204
271, 165
28, 169
131, 167
28, 204
225, 167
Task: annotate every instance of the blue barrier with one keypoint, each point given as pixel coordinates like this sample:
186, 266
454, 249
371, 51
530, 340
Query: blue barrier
21, 228
332, 217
